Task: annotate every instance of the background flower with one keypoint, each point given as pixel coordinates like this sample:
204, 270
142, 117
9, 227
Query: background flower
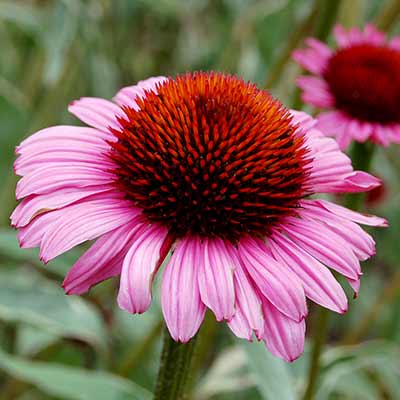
358, 80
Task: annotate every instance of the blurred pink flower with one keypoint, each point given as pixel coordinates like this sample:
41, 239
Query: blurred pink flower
215, 172
359, 82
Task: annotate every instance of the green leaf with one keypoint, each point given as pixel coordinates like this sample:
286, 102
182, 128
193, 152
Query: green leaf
28, 297
72, 383
272, 375
9, 249
361, 371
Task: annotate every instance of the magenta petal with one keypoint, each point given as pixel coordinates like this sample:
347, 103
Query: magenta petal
35, 205
139, 268
181, 303
283, 337
84, 221
51, 178
127, 95
216, 277
65, 137
248, 316
102, 261
347, 214
279, 285
362, 244
99, 113
324, 245
319, 283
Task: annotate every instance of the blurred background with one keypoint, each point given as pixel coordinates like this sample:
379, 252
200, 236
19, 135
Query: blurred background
58, 347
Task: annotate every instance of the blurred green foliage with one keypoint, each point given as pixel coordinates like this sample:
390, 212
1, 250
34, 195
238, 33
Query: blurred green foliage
58, 347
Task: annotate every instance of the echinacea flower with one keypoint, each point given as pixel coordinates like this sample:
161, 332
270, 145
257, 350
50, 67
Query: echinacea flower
358, 82
215, 172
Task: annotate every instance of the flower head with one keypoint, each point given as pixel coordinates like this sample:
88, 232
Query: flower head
215, 172
359, 82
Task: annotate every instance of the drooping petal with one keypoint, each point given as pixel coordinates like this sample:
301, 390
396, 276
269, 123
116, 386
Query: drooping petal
319, 283
103, 259
216, 277
139, 268
248, 316
354, 216
283, 336
323, 244
99, 113
360, 241
331, 170
127, 95
280, 286
315, 57
35, 205
60, 176
65, 137
85, 220
315, 91
182, 307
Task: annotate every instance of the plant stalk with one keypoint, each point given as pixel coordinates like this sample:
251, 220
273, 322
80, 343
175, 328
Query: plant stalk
175, 369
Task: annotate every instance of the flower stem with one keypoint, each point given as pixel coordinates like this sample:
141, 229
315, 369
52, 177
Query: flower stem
321, 331
175, 368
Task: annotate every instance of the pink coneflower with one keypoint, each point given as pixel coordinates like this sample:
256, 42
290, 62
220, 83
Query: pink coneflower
215, 172
359, 82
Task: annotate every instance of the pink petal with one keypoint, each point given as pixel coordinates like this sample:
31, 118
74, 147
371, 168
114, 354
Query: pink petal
315, 91
248, 316
35, 205
318, 282
215, 276
331, 170
341, 36
85, 220
331, 123
280, 286
60, 176
99, 113
283, 337
381, 135
127, 95
323, 244
314, 58
139, 268
354, 216
181, 303
360, 241
373, 36
65, 137
394, 43
103, 259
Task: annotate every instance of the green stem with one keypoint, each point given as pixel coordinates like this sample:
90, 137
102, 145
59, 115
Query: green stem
321, 331
175, 368
361, 157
